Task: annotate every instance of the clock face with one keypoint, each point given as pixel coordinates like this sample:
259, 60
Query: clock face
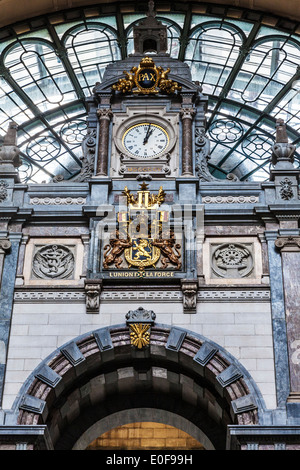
145, 140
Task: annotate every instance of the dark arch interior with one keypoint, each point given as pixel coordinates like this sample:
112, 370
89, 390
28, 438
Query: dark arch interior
149, 45
112, 381
143, 390
148, 399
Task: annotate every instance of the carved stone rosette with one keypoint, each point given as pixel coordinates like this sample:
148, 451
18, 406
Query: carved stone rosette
93, 288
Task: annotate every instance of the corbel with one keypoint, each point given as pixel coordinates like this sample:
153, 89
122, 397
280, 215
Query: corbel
93, 288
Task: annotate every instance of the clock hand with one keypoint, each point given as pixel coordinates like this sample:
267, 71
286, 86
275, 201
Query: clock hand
148, 133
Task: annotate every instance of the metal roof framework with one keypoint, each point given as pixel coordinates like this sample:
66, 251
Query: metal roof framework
247, 64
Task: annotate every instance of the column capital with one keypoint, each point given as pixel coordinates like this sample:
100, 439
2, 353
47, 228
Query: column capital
5, 244
187, 113
104, 113
288, 243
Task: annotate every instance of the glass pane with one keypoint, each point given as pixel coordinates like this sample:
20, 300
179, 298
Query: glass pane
90, 49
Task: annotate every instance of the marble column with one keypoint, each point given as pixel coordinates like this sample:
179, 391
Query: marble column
6, 298
187, 115
5, 246
278, 319
290, 254
104, 116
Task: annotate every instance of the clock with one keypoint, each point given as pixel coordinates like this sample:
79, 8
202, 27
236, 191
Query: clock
145, 140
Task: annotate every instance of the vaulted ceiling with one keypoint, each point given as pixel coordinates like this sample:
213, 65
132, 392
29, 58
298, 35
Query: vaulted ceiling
15, 10
245, 53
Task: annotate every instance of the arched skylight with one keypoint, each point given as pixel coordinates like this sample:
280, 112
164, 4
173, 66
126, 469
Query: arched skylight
249, 70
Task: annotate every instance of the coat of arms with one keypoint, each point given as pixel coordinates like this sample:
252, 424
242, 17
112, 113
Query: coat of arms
146, 78
142, 239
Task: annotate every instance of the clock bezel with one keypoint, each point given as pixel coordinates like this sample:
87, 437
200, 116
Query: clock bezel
143, 157
157, 120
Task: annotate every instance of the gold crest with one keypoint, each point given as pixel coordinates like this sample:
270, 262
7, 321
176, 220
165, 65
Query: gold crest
139, 335
145, 79
142, 240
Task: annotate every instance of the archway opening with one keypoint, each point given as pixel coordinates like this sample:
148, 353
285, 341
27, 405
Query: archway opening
145, 436
100, 382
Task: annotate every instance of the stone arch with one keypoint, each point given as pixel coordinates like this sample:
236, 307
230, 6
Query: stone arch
100, 374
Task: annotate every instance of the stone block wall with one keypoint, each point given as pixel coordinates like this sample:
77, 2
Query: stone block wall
40, 326
145, 436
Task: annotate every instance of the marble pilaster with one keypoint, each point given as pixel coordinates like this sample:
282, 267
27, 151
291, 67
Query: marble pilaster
104, 116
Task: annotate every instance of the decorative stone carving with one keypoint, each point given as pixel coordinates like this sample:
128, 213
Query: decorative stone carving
286, 191
57, 201
93, 289
59, 296
140, 335
5, 246
230, 199
139, 322
140, 315
49, 296
202, 147
53, 262
3, 190
9, 152
282, 152
288, 243
104, 113
154, 247
88, 158
187, 113
146, 78
189, 289
150, 35
232, 260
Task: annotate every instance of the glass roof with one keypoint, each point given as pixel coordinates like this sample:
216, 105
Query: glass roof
247, 63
